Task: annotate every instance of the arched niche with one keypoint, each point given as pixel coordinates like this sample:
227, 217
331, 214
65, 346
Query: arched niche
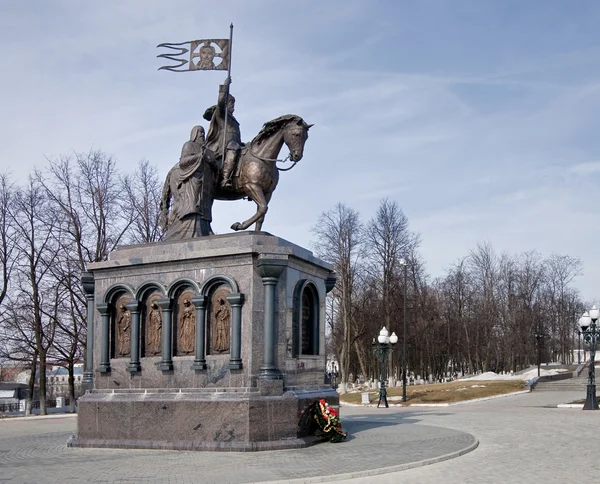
306, 322
117, 297
219, 315
149, 294
181, 293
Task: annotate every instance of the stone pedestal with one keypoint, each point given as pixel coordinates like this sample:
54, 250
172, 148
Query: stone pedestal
235, 375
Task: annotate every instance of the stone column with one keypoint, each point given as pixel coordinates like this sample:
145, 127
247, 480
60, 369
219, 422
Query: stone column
87, 281
270, 270
235, 358
200, 359
134, 358
105, 338
167, 335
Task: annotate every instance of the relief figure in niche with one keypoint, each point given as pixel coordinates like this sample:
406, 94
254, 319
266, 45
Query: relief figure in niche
153, 330
222, 324
187, 328
123, 331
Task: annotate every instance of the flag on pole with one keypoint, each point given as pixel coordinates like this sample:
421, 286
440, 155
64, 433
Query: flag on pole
198, 55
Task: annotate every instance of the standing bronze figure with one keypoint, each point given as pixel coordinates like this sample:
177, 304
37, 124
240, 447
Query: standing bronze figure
186, 328
124, 331
186, 203
153, 330
221, 326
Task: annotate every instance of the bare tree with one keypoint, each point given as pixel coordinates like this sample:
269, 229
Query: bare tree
70, 318
339, 242
86, 197
18, 343
389, 240
87, 192
142, 192
37, 234
7, 240
560, 271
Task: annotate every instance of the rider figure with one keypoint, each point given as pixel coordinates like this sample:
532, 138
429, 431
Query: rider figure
233, 140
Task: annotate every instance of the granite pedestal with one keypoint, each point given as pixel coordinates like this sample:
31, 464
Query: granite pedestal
248, 397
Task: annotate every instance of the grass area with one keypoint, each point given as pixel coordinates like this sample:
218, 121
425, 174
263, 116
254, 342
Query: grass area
450, 392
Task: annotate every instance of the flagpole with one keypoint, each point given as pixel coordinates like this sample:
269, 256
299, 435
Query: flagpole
227, 93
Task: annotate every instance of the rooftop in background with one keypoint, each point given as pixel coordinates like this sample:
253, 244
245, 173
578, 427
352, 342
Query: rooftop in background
9, 385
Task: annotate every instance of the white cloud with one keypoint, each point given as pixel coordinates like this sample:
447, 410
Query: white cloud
475, 142
585, 168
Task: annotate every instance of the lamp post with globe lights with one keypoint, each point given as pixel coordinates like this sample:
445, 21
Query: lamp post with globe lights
382, 349
591, 332
404, 263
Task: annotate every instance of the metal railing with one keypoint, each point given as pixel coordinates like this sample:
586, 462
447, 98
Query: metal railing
9, 407
19, 407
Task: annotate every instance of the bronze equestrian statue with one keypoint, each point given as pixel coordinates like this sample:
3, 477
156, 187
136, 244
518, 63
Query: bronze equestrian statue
255, 177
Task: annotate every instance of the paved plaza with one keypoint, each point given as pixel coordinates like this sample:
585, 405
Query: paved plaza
517, 439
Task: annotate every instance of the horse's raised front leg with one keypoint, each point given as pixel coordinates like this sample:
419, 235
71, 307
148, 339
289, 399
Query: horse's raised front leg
260, 221
255, 193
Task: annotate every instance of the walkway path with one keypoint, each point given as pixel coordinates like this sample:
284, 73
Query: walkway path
523, 438
34, 451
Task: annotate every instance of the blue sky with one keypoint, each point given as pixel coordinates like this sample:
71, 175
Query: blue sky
478, 117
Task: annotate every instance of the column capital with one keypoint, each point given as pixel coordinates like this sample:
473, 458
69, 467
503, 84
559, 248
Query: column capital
133, 306
271, 267
165, 304
199, 301
88, 283
102, 308
235, 299
330, 282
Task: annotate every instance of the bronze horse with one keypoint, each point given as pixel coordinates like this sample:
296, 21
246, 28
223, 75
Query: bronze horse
257, 175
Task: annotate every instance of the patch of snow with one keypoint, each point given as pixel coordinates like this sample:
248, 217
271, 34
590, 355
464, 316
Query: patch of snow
490, 375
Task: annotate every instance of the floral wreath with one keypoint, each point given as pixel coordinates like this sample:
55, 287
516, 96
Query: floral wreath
329, 421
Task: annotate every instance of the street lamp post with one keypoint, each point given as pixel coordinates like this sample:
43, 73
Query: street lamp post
383, 348
539, 338
578, 347
404, 263
591, 332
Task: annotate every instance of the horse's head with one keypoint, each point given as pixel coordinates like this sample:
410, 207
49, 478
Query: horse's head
295, 135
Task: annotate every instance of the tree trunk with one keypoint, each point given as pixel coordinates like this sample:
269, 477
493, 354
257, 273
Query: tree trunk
361, 358
43, 408
71, 387
31, 384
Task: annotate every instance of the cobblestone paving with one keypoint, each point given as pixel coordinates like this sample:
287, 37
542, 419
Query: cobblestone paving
34, 451
523, 439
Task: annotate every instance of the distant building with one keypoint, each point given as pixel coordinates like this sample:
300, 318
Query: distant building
57, 380
11, 393
10, 370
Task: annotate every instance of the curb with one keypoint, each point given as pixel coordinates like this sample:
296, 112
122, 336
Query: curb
377, 472
37, 417
344, 404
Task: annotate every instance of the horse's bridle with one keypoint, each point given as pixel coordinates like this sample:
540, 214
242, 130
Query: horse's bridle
276, 160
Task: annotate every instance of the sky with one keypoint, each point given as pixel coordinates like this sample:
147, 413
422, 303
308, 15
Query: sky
478, 117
